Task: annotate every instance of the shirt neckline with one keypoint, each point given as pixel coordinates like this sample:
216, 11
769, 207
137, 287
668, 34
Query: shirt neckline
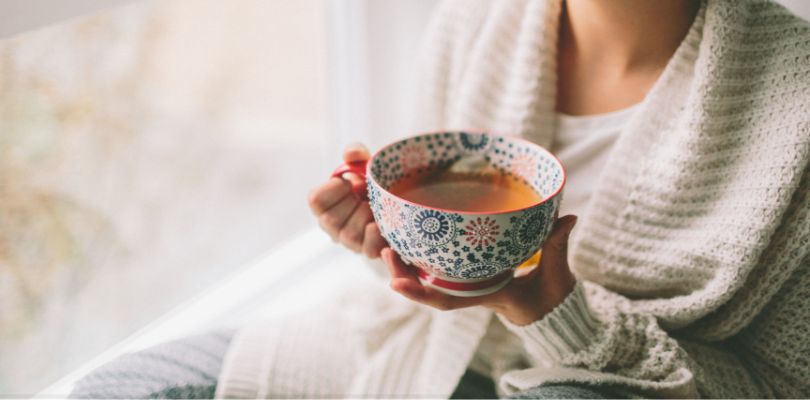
605, 121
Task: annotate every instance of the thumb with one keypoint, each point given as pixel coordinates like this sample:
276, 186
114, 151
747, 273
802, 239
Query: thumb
556, 248
356, 152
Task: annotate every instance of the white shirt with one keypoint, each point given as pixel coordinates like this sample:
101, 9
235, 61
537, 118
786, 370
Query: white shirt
583, 144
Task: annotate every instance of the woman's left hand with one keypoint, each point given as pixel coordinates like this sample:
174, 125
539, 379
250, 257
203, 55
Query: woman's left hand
524, 300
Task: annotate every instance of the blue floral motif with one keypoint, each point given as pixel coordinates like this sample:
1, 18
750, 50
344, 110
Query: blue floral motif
433, 228
438, 241
474, 142
528, 229
478, 270
373, 195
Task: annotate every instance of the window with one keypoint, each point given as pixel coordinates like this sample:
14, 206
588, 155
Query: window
158, 154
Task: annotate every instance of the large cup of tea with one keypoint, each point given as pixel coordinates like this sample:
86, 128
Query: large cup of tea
466, 209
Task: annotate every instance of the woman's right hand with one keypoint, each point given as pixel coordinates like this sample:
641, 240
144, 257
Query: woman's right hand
342, 214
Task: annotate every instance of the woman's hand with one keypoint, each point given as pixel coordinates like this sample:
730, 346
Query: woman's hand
524, 300
344, 216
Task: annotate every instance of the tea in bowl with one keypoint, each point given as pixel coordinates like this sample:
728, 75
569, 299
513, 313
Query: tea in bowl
464, 208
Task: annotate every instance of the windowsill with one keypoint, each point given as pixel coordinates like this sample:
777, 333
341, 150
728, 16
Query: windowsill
288, 279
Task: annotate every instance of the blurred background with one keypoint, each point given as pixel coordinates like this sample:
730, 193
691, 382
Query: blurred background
151, 150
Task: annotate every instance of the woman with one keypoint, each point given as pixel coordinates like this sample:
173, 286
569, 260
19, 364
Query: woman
685, 129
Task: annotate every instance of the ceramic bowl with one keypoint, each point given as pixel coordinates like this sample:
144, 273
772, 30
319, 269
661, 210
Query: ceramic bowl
457, 252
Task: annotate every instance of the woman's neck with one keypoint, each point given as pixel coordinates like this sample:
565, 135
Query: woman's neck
611, 52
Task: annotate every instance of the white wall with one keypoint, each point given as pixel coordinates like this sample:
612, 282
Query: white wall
372, 45
395, 31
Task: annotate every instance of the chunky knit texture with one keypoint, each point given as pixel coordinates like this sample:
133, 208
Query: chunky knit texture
693, 255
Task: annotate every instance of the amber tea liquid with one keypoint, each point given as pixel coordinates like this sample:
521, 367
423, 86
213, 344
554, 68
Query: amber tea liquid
493, 191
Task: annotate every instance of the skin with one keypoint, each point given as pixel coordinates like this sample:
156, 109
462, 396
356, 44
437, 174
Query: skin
343, 215
610, 55
612, 52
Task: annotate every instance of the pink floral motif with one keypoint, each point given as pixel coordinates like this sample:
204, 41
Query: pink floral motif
524, 165
412, 157
482, 232
391, 213
427, 268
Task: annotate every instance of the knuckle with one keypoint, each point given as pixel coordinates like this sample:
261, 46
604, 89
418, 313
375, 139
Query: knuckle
329, 221
372, 254
350, 246
351, 237
559, 245
314, 200
372, 231
370, 249
331, 232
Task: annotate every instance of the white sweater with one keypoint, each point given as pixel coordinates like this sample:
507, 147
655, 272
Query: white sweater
693, 258
583, 144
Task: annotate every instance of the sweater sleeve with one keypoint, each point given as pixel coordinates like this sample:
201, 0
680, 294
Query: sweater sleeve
610, 345
613, 347
443, 55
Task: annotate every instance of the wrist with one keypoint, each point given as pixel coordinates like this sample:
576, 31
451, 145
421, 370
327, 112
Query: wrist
519, 313
528, 306
569, 328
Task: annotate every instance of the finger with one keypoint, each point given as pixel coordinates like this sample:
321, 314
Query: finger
445, 302
358, 184
403, 279
332, 221
405, 282
554, 264
353, 230
354, 179
356, 152
373, 242
397, 267
327, 195
555, 250
555, 277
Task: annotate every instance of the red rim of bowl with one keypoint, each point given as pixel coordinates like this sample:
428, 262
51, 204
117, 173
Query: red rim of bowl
506, 137
465, 286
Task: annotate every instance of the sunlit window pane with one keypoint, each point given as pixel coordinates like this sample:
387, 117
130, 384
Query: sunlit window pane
146, 153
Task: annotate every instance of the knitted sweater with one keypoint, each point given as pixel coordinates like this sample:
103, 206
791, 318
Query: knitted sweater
693, 258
